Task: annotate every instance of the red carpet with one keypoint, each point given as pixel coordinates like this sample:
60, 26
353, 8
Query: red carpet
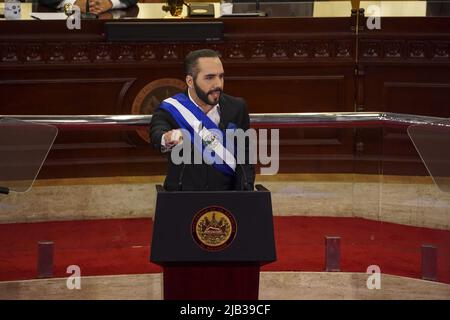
122, 246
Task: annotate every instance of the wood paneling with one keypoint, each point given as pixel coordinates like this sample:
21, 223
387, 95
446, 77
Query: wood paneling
301, 64
289, 65
428, 99
63, 95
291, 93
404, 68
422, 90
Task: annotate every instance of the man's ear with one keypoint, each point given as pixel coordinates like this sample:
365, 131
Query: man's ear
189, 81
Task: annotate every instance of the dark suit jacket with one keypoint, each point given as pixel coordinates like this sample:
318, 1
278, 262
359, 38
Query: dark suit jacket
55, 3
203, 176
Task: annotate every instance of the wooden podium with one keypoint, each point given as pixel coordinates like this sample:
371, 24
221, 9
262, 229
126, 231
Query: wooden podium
211, 244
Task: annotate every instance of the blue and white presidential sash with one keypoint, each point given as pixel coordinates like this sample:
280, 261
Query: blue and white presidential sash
203, 131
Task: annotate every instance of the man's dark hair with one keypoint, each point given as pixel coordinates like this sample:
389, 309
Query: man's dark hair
191, 60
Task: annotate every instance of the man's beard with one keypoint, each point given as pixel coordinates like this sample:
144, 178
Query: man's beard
204, 96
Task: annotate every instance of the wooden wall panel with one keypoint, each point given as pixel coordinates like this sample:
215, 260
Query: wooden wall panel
315, 93
428, 99
316, 150
63, 95
276, 64
404, 68
421, 90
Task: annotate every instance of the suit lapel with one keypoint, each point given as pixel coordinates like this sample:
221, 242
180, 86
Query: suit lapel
224, 115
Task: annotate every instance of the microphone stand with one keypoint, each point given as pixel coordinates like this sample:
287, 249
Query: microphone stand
246, 186
258, 9
88, 14
180, 178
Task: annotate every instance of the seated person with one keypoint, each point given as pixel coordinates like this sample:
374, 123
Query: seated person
95, 6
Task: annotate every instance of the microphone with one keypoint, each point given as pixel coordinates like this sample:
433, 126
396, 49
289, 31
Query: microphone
244, 175
88, 14
180, 179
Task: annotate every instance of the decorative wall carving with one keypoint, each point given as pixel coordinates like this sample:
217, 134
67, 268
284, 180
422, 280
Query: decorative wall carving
321, 49
84, 52
101, 52
370, 49
417, 49
301, 49
343, 49
258, 50
57, 54
393, 49
80, 52
441, 49
425, 50
9, 53
34, 53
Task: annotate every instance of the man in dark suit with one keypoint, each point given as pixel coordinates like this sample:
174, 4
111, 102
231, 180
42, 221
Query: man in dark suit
95, 6
204, 98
